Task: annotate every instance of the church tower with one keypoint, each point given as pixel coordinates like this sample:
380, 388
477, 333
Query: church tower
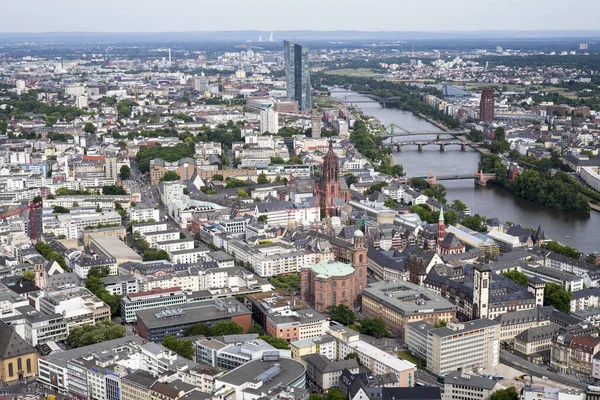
359, 260
331, 177
482, 275
40, 276
441, 231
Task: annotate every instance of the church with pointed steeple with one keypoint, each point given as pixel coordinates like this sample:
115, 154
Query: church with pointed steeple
331, 176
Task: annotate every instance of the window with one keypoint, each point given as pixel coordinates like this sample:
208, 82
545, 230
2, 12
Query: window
19, 364
11, 372
28, 365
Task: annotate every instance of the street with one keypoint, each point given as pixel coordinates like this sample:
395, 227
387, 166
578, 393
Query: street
538, 370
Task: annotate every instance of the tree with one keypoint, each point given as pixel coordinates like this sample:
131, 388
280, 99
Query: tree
419, 183
155, 254
555, 295
37, 199
99, 271
92, 334
342, 314
28, 276
278, 343
436, 191
350, 179
389, 202
565, 250
256, 328
336, 394
459, 205
170, 176
315, 397
60, 210
517, 277
113, 190
441, 323
222, 328
262, 178
198, 329
263, 218
217, 177
355, 356
476, 223
89, 128
184, 348
509, 393
450, 217
50, 121
376, 188
241, 193
374, 327
125, 172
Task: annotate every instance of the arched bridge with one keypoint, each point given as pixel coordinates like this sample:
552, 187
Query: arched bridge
397, 146
480, 177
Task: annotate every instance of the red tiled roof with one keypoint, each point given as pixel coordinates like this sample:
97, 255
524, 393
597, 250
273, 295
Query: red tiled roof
95, 158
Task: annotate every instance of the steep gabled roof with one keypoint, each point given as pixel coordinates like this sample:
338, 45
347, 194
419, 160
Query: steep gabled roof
12, 345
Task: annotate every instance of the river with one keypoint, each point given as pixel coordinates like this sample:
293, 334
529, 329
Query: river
581, 232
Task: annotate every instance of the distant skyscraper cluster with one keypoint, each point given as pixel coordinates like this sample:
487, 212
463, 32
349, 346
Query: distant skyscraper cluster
297, 73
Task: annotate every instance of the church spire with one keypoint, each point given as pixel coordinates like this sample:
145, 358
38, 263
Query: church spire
441, 218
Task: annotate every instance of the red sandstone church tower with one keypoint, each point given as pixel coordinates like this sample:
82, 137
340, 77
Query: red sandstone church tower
331, 175
486, 105
359, 261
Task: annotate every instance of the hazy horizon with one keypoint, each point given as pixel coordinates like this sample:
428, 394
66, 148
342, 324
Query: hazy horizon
152, 16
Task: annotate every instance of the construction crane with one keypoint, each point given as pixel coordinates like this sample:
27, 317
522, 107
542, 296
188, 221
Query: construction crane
31, 216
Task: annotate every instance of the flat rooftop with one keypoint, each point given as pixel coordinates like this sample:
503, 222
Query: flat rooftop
114, 248
407, 298
160, 317
256, 371
328, 269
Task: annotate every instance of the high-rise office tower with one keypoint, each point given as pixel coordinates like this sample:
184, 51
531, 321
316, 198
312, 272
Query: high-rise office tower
297, 73
486, 106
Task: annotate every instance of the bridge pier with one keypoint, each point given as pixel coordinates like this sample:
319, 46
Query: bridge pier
442, 147
420, 147
399, 148
463, 147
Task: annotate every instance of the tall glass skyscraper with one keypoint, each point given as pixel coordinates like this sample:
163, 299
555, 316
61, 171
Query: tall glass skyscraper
297, 74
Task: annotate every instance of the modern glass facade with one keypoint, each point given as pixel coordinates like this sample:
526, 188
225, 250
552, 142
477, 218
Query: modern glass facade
297, 73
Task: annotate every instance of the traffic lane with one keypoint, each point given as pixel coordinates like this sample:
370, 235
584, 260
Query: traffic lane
539, 371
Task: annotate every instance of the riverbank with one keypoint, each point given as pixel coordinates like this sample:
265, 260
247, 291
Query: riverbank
491, 200
594, 207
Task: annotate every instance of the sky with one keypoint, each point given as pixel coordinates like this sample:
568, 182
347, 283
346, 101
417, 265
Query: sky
267, 15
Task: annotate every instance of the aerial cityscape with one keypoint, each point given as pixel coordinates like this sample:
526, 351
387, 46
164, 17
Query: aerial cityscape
319, 210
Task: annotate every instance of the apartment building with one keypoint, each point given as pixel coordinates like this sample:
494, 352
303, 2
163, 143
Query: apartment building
325, 346
377, 360
161, 236
175, 245
71, 226
121, 285
149, 227
37, 328
295, 325
325, 372
231, 351
141, 213
462, 346
78, 305
461, 386
135, 302
573, 354
190, 256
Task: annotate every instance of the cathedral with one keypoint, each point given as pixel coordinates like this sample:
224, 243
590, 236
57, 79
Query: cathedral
331, 186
